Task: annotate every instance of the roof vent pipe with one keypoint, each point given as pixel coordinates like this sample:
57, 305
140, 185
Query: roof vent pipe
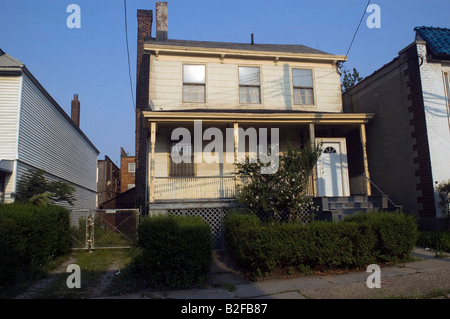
253, 40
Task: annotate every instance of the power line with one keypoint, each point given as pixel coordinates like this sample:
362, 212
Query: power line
362, 17
128, 53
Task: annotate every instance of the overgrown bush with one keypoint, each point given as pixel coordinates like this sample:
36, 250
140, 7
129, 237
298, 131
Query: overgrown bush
279, 195
261, 248
436, 240
174, 251
30, 237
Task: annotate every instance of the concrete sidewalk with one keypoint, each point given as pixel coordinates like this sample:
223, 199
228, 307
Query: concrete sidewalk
418, 279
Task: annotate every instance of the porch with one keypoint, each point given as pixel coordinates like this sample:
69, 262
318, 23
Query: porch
217, 140
172, 189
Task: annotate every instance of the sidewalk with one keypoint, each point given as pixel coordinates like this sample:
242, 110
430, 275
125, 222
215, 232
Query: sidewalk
413, 280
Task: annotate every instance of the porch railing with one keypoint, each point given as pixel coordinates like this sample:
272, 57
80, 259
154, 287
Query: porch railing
176, 188
201, 187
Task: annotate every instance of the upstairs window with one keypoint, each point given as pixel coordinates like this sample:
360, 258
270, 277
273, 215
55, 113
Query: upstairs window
131, 167
249, 85
302, 81
194, 82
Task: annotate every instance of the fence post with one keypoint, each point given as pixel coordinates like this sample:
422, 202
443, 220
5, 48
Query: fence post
90, 233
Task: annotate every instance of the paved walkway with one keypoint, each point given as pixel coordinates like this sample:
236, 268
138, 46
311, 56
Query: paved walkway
425, 277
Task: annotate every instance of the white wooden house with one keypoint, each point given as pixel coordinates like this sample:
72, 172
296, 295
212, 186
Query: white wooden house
36, 133
235, 88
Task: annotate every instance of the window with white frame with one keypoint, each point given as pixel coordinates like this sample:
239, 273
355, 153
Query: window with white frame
194, 83
302, 81
131, 167
249, 85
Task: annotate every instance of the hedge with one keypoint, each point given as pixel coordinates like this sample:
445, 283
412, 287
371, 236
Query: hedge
357, 242
30, 237
174, 251
436, 240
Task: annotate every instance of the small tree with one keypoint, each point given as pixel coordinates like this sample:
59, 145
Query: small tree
443, 190
350, 79
279, 196
33, 188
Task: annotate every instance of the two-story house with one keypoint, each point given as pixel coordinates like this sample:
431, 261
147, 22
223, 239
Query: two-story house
212, 102
409, 147
36, 133
108, 180
127, 171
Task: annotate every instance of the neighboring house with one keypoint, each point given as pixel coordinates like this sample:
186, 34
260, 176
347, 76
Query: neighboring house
125, 198
409, 147
238, 89
36, 133
127, 171
108, 183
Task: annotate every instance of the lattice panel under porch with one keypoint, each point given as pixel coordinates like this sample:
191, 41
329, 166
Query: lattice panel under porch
211, 215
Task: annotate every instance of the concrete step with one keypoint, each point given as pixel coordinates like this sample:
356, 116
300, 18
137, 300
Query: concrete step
340, 214
349, 205
348, 199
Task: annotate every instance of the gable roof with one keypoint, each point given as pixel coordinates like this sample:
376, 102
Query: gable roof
437, 39
238, 48
11, 66
287, 48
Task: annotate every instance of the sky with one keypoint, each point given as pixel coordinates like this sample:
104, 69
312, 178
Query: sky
92, 60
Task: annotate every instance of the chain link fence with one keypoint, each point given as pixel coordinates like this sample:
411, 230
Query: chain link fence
98, 229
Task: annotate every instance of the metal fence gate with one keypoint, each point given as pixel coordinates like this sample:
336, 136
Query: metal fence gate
110, 228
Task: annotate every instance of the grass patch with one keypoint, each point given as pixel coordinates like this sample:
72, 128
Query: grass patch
93, 266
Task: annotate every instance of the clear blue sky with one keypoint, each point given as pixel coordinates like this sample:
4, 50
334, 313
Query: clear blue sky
92, 61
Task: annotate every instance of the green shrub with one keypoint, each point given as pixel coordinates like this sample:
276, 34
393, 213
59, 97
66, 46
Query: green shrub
396, 233
30, 237
260, 248
437, 240
175, 251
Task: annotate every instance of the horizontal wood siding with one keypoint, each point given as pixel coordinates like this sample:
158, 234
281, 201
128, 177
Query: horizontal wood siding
9, 116
48, 140
222, 89
85, 198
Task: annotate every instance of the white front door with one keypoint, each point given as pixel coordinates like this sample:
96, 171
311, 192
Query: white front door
332, 170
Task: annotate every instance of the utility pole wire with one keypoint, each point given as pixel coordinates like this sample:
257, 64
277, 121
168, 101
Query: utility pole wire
128, 53
360, 21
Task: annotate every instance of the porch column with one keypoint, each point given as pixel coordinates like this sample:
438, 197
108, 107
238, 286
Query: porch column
152, 160
236, 150
312, 139
362, 131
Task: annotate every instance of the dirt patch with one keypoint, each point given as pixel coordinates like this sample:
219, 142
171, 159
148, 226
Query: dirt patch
106, 280
44, 283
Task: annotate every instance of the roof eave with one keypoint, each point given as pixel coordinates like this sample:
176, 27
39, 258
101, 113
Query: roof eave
312, 117
155, 48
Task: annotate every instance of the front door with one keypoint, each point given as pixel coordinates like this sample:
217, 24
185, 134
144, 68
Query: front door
332, 169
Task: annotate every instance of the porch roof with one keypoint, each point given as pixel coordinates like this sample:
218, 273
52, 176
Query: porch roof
260, 117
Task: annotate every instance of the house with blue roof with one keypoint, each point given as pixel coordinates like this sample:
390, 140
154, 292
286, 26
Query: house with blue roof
408, 145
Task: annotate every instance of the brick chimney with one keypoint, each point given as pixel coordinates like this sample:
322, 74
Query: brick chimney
75, 112
145, 20
161, 22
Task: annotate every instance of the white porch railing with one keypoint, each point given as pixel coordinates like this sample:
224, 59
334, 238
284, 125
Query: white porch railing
176, 188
